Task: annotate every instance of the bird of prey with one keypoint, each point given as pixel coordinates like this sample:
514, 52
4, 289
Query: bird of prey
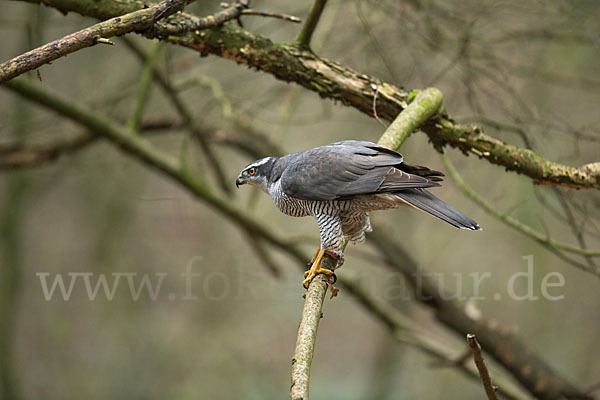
339, 184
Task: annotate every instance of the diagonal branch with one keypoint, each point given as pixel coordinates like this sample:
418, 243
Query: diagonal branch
425, 105
126, 18
134, 21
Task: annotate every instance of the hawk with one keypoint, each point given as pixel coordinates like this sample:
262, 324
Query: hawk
339, 184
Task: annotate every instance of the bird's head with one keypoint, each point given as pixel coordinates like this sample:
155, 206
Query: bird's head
257, 173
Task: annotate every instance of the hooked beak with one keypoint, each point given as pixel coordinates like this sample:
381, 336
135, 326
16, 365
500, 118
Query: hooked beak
239, 181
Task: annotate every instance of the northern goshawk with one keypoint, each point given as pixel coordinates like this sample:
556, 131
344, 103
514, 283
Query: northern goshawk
340, 183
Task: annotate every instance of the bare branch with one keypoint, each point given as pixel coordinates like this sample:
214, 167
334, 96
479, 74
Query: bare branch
144, 88
250, 11
490, 390
307, 335
285, 17
144, 21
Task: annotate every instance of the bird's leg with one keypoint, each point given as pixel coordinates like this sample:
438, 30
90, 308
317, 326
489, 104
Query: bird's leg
330, 230
316, 269
314, 257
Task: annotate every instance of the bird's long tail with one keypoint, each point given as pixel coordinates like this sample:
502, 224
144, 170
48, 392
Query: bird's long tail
423, 200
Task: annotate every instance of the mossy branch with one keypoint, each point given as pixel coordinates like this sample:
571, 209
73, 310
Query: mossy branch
122, 18
134, 21
424, 106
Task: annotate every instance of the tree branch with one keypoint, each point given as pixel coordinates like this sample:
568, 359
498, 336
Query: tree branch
425, 105
307, 335
303, 38
134, 21
144, 86
490, 390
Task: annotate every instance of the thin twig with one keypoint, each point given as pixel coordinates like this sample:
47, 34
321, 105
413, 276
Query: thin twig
490, 390
233, 11
250, 11
144, 88
285, 17
575, 227
180, 26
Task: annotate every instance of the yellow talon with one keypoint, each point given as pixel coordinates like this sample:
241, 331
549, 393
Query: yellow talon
315, 268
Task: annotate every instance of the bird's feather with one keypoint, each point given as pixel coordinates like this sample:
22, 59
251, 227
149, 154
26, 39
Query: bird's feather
425, 201
350, 168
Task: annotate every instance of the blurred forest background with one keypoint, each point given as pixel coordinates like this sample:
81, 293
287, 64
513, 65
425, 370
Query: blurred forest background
527, 71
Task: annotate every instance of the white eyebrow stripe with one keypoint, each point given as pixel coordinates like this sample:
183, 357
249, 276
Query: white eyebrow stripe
259, 162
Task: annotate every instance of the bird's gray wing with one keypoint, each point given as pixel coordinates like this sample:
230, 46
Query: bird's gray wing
350, 168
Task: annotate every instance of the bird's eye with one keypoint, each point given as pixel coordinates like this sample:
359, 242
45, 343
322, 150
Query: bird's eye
252, 171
